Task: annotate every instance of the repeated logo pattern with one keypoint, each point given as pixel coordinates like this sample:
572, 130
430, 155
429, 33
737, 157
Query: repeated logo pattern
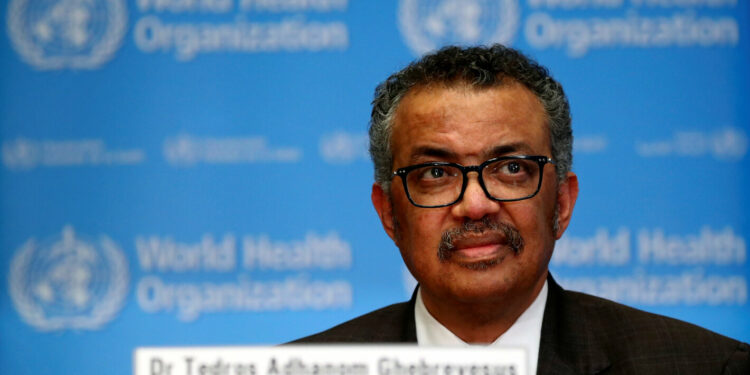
68, 282
427, 25
74, 34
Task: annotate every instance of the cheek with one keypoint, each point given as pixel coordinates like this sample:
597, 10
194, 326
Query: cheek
420, 232
543, 206
424, 226
533, 218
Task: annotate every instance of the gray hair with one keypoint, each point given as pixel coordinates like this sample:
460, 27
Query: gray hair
479, 67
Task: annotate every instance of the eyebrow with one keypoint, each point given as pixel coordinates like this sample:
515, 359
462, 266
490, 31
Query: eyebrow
446, 154
510, 148
431, 151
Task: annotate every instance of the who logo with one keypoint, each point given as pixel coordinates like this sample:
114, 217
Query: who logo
68, 281
72, 34
427, 25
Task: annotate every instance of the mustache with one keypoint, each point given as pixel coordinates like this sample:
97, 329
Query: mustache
511, 235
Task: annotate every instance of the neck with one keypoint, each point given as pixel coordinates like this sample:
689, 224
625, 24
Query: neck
479, 322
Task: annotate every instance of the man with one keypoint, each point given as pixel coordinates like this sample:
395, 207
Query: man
472, 152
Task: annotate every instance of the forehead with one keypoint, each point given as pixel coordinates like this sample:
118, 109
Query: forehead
466, 121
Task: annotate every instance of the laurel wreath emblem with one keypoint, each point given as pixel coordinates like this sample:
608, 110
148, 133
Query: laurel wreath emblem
35, 54
410, 23
103, 311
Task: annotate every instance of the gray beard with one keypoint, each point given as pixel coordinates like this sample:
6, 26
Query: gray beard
512, 239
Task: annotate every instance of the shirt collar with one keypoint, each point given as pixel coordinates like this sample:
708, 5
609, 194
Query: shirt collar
524, 333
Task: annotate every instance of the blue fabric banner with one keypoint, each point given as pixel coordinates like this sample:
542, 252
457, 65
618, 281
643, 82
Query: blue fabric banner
195, 172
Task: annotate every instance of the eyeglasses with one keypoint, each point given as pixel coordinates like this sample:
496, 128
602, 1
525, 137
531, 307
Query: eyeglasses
503, 179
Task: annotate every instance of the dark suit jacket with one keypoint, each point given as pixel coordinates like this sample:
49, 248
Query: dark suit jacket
582, 334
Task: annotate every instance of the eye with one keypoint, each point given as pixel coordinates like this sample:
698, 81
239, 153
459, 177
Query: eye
512, 168
434, 172
504, 170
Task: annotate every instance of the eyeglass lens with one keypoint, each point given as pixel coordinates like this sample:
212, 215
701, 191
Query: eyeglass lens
504, 179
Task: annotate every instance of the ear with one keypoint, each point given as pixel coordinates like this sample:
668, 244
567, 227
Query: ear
382, 203
567, 194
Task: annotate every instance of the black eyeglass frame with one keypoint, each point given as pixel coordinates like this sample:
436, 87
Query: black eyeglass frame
540, 160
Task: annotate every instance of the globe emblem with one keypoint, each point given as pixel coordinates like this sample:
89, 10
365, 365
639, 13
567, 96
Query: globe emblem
76, 34
68, 282
21, 153
341, 147
428, 25
730, 144
182, 150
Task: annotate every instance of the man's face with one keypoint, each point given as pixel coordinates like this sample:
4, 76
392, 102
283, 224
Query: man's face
466, 125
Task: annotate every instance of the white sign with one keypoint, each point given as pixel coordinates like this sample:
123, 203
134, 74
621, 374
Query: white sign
331, 360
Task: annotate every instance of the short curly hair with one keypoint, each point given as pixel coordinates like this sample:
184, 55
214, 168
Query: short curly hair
480, 67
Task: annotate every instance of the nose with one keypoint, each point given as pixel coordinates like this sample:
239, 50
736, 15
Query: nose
474, 204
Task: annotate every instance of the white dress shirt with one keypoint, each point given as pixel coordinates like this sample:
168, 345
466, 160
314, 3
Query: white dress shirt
524, 333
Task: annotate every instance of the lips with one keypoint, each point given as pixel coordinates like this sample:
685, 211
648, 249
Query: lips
477, 248
479, 245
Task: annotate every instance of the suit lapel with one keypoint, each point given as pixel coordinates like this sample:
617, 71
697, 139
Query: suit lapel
568, 344
409, 325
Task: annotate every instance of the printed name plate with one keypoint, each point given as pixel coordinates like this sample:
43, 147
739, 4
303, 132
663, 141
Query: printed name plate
330, 360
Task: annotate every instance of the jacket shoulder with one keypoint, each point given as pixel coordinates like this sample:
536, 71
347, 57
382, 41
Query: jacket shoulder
392, 323
633, 337
618, 320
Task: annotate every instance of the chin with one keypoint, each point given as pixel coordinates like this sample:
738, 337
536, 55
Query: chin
480, 282
482, 264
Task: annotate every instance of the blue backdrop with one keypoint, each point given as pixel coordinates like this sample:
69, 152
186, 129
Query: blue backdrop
194, 172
